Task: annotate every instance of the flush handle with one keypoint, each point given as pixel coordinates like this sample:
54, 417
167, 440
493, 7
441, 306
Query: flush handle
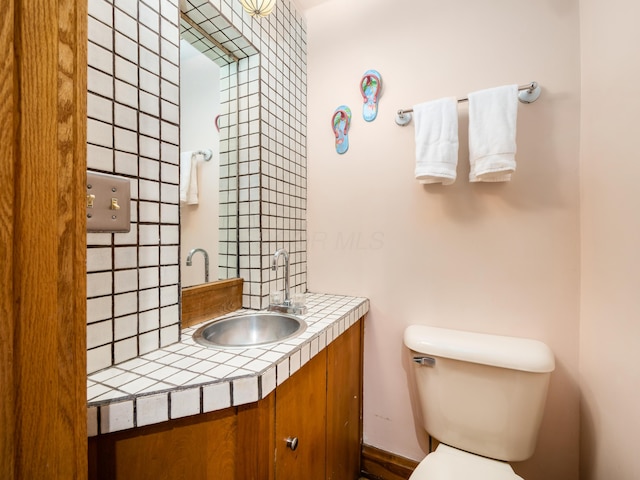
426, 361
292, 442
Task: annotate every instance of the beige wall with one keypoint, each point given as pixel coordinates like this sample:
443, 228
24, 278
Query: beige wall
498, 258
610, 307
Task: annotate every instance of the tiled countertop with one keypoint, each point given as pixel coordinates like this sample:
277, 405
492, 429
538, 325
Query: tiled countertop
187, 379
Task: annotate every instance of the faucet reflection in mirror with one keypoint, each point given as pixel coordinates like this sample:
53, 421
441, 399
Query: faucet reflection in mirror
287, 305
206, 261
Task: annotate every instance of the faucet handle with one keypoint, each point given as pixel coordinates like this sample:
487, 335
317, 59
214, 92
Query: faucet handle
276, 298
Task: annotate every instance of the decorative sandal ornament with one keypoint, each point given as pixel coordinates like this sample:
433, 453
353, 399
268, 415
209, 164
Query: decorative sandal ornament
371, 88
340, 122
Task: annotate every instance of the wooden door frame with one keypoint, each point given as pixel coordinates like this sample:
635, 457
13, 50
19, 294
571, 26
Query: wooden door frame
43, 239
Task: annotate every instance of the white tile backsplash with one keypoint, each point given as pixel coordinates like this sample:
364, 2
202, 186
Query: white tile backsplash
99, 358
148, 17
169, 335
125, 47
124, 350
125, 327
125, 140
125, 303
148, 321
125, 281
149, 82
100, 58
168, 255
126, 93
149, 277
99, 133
126, 71
131, 8
125, 257
99, 158
148, 341
126, 25
99, 333
99, 259
125, 117
98, 284
98, 308
101, 10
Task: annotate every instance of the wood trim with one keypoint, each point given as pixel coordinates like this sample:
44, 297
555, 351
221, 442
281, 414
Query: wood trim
344, 404
204, 302
379, 464
9, 123
42, 229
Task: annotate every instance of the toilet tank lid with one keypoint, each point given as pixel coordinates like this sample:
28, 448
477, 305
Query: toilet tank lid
496, 350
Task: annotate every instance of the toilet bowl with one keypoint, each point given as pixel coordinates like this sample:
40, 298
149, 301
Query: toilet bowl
448, 463
481, 396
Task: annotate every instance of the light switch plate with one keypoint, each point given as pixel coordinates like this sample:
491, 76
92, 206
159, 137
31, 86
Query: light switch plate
108, 203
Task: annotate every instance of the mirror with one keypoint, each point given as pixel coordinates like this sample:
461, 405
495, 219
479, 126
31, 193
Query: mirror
211, 52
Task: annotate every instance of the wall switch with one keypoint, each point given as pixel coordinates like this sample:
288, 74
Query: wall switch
108, 203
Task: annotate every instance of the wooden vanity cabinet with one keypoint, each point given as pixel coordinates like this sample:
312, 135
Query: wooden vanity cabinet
320, 405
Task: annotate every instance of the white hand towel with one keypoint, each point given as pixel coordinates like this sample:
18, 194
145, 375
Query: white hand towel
492, 134
188, 178
436, 124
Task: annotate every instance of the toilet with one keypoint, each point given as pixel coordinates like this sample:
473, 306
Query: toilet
481, 396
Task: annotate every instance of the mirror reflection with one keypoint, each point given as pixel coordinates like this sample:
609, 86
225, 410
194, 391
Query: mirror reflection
210, 50
199, 164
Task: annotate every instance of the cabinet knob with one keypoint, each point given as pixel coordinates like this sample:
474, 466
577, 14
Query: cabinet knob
292, 442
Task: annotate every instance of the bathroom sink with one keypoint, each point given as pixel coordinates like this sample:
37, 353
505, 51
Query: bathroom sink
249, 329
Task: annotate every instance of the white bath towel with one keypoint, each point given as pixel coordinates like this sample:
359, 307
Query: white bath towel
188, 178
492, 134
436, 124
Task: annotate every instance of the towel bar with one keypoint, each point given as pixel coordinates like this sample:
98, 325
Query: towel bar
528, 93
206, 154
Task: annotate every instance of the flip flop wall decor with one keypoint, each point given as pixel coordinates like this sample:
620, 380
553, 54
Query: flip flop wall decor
340, 123
371, 89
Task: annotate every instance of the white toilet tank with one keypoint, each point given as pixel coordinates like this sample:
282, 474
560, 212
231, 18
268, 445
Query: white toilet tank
481, 393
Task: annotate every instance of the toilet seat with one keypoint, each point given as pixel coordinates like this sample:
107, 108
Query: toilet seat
448, 463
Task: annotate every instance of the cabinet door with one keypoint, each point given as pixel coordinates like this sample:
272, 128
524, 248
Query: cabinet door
301, 414
202, 447
344, 405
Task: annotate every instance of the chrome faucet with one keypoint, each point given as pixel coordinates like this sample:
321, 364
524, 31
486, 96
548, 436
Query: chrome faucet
287, 305
274, 267
206, 261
